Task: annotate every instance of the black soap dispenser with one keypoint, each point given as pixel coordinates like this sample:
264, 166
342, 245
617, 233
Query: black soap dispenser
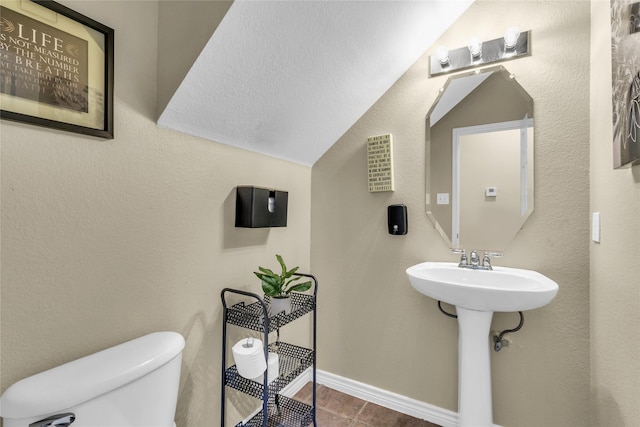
397, 219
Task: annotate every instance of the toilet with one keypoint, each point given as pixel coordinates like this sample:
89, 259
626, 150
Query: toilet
134, 384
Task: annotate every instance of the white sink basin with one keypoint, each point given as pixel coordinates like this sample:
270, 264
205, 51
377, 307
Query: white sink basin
477, 294
500, 289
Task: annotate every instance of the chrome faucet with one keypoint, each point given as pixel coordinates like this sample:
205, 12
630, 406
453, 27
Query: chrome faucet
473, 261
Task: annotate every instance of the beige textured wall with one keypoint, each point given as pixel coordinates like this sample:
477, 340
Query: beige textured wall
375, 327
615, 263
104, 241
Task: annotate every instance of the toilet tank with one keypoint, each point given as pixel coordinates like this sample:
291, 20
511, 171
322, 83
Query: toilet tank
132, 384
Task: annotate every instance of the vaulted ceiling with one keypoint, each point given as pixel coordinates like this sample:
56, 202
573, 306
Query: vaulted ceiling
289, 78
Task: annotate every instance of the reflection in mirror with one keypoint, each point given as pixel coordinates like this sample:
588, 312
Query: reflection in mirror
480, 160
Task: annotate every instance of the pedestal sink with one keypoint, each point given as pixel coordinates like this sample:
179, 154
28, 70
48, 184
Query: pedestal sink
477, 294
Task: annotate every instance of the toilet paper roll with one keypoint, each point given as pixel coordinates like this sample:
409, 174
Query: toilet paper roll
248, 354
273, 366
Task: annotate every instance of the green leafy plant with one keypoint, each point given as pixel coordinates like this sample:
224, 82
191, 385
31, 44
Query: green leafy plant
280, 285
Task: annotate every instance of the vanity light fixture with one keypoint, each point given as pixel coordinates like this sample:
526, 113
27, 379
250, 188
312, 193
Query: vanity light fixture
513, 44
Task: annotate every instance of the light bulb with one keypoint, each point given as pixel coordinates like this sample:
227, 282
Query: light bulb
443, 55
511, 37
475, 47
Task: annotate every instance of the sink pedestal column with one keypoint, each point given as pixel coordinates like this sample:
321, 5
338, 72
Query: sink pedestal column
474, 368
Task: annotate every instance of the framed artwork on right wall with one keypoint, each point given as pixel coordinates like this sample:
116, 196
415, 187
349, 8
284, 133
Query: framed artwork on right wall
625, 69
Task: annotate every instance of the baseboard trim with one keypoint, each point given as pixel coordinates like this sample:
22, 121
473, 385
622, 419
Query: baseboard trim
391, 400
388, 399
296, 385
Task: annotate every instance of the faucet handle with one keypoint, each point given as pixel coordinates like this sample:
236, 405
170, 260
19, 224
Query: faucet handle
463, 256
493, 254
61, 420
486, 261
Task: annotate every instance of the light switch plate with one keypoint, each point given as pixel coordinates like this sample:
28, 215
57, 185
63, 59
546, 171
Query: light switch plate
442, 199
595, 227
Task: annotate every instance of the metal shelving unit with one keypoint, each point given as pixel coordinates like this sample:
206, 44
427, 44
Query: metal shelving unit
277, 410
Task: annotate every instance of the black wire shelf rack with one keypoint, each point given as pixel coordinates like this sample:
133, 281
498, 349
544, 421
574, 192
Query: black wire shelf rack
284, 413
251, 316
292, 360
277, 410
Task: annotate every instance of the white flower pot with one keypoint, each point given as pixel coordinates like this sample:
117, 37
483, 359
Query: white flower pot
278, 305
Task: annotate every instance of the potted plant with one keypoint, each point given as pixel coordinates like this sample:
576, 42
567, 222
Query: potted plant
280, 286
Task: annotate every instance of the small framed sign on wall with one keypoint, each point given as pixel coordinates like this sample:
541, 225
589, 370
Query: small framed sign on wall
380, 163
56, 68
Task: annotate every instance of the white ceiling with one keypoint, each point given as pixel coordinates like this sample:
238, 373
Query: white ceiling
289, 78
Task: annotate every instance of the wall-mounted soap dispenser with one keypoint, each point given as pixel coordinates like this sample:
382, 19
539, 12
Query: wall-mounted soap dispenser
397, 219
260, 207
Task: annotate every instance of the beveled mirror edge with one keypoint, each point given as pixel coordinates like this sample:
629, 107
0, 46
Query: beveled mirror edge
441, 91
440, 231
450, 77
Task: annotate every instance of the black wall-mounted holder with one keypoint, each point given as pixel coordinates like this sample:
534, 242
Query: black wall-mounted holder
397, 219
260, 207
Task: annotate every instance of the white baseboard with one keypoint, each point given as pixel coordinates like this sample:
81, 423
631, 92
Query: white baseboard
397, 402
388, 399
296, 385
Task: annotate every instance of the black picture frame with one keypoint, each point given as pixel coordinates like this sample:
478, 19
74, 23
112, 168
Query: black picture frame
56, 68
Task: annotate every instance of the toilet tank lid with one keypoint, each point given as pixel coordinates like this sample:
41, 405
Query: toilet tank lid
83, 379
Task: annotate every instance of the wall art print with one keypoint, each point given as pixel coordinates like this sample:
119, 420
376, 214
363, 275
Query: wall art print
625, 64
56, 68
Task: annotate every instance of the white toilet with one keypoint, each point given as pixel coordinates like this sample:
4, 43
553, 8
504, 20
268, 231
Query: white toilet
134, 384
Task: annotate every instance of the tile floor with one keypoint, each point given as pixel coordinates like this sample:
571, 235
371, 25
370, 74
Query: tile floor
336, 409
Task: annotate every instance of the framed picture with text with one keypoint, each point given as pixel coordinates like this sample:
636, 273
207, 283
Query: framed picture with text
56, 68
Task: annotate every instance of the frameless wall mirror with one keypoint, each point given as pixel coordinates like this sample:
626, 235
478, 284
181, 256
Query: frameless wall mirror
480, 160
